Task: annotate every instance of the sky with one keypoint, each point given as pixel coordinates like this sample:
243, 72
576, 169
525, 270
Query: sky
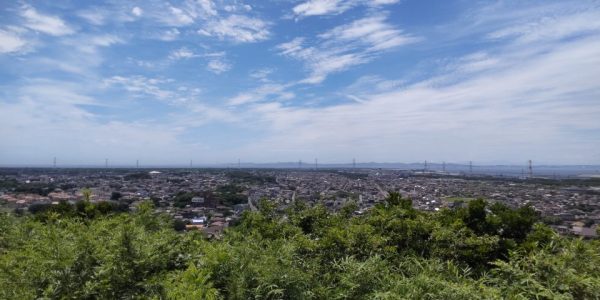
166, 82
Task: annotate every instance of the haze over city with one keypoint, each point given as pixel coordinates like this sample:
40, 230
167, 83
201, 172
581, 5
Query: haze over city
163, 82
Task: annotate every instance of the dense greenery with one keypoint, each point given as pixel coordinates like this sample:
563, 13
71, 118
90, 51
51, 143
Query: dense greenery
482, 251
231, 194
250, 177
137, 176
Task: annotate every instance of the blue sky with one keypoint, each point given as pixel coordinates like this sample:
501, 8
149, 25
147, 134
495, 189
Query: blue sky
266, 81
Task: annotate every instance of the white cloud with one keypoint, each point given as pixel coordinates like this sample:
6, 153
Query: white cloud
218, 66
346, 46
90, 43
216, 60
270, 91
237, 8
179, 17
51, 25
187, 12
137, 11
11, 42
227, 22
526, 105
321, 7
238, 28
102, 15
169, 35
262, 74
371, 84
371, 31
551, 27
334, 7
141, 85
95, 17
51, 113
182, 53
208, 6
165, 90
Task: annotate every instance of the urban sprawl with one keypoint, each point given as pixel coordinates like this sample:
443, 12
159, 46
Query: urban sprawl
210, 200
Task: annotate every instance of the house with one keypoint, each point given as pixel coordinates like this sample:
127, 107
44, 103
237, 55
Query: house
585, 232
199, 221
197, 201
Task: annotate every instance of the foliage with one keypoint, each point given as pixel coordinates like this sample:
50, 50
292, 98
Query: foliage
183, 198
137, 176
250, 177
392, 252
231, 194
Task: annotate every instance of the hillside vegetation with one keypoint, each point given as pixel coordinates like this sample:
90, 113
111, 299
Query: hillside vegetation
482, 251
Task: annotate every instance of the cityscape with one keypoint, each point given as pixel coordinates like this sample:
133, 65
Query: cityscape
300, 149
209, 199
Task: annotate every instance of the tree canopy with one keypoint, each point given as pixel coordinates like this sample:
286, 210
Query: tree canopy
482, 251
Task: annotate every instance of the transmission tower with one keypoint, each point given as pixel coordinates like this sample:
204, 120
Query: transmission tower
530, 169
444, 166
316, 164
54, 162
471, 167
354, 163
137, 164
106, 163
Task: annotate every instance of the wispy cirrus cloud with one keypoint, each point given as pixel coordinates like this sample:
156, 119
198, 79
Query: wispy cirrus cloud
11, 41
182, 53
238, 28
500, 80
48, 24
500, 107
266, 92
345, 46
334, 7
217, 63
140, 86
226, 22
